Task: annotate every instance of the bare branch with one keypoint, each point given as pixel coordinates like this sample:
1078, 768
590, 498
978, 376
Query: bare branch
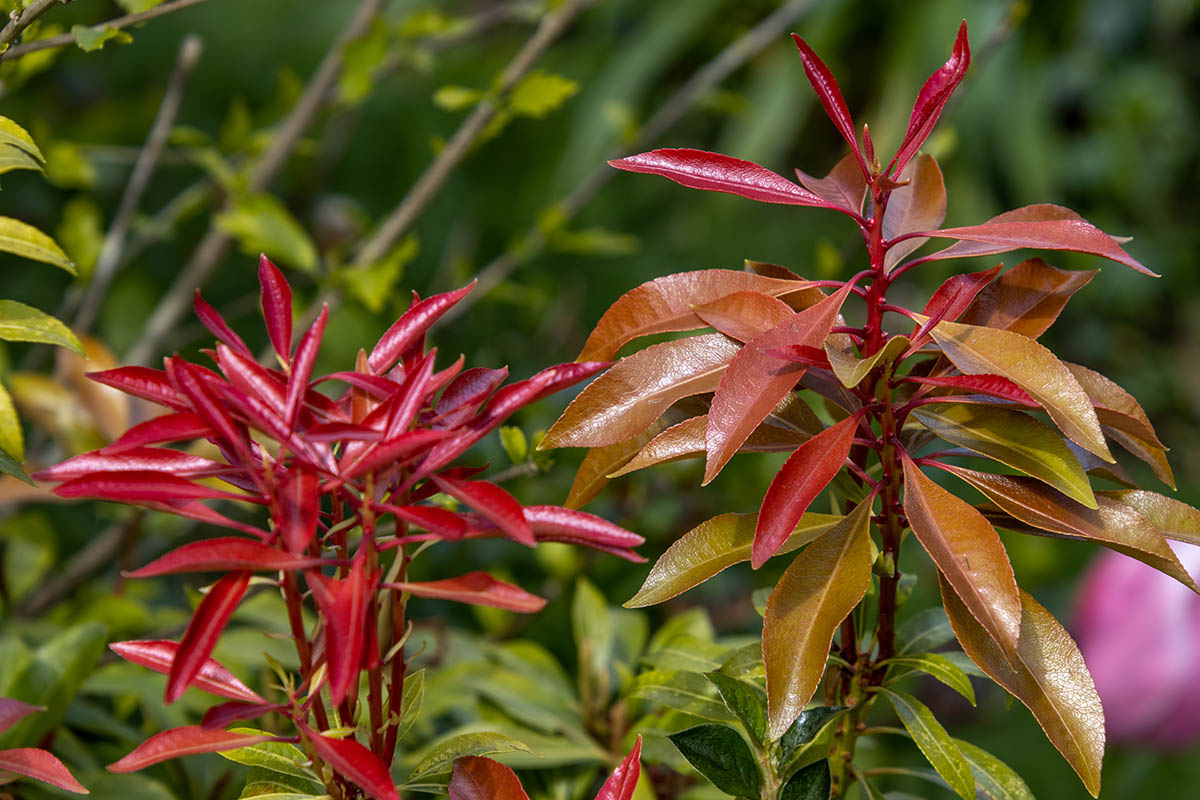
113, 24
20, 20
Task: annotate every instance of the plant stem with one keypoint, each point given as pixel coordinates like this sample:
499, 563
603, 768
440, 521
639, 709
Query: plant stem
65, 39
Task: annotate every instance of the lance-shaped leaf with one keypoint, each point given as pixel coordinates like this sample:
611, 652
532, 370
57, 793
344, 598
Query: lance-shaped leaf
351, 760
343, 604
580, 527
601, 462
276, 307
936, 745
22, 323
744, 315
1045, 671
850, 369
713, 172
666, 304
1112, 524
746, 701
479, 778
917, 206
721, 755
189, 382
220, 716
1013, 438
830, 95
433, 519
223, 554
967, 551
1039, 227
203, 631
976, 350
141, 486
845, 186
627, 398
35, 763
937, 666
182, 426
385, 454
756, 381
218, 327
820, 588
932, 99
298, 504
993, 776
13, 711
687, 440
802, 477
144, 382
623, 780
956, 294
992, 385
135, 459
493, 503
302, 366
714, 546
411, 328
476, 588
186, 741
159, 654
465, 394
27, 241
1175, 520
1026, 299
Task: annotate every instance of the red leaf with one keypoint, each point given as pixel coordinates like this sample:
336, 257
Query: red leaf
522, 393
427, 490
252, 378
141, 486
13, 711
342, 432
351, 760
578, 526
403, 448
186, 741
144, 382
932, 99
845, 186
830, 95
276, 307
411, 326
40, 765
187, 379
951, 299
181, 426
194, 509
804, 354
621, 784
992, 385
159, 654
217, 326
136, 459
225, 713
377, 386
478, 778
411, 397
491, 502
801, 478
436, 520
302, 366
466, 394
476, 588
343, 604
223, 554
203, 630
713, 172
299, 504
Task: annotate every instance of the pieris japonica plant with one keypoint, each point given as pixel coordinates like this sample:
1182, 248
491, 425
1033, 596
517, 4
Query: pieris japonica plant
335, 491
869, 412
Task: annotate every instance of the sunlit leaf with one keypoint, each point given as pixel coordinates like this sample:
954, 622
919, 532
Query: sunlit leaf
25, 240
687, 440
940, 667
184, 741
850, 369
844, 186
997, 780
1174, 519
744, 315
439, 758
262, 224
929, 735
478, 778
13, 134
1026, 299
35, 763
918, 206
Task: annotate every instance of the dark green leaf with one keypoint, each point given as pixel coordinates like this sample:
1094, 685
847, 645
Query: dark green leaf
720, 754
803, 733
747, 702
811, 783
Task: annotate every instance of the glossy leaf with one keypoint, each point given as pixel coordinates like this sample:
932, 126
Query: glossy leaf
141, 486
805, 732
714, 546
144, 382
343, 605
302, 367
478, 778
276, 307
211, 319
967, 551
687, 440
830, 94
602, 462
203, 631
1046, 672
924, 631
1013, 438
229, 553
932, 99
181, 426
713, 172
680, 690
666, 304
298, 501
951, 299
159, 654
845, 186
918, 206
623, 780
940, 667
13, 711
937, 746
466, 393
746, 701
477, 588
992, 385
175, 463
721, 755
997, 780
13, 134
492, 502
281, 758
802, 477
349, 758
439, 758
186, 741
820, 588
850, 369
813, 782
220, 716
1026, 299
40, 765
24, 240
1175, 520
22, 323
975, 350
744, 315
626, 399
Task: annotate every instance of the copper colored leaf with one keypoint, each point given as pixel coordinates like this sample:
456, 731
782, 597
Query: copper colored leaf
1045, 671
626, 399
492, 502
845, 186
714, 546
977, 350
477, 588
802, 477
932, 99
666, 304
1026, 299
211, 555
203, 631
744, 315
687, 440
829, 93
40, 765
601, 462
623, 780
820, 588
159, 654
918, 206
951, 299
1175, 520
967, 551
350, 759
479, 778
186, 741
276, 307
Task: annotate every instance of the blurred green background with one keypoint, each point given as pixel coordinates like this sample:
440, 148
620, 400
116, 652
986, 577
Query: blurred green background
1089, 104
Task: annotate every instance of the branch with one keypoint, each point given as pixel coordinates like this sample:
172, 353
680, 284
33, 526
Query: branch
667, 115
215, 243
139, 179
65, 39
20, 20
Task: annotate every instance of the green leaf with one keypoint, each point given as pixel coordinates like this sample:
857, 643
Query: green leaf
1012, 438
360, 60
67, 167
16, 158
811, 783
713, 546
456, 98
22, 323
13, 134
939, 749
593, 630
261, 224
138, 6
91, 39
993, 776
25, 240
926, 630
539, 93
803, 734
849, 368
12, 442
441, 756
939, 667
281, 758
746, 701
682, 691
10, 466
374, 285
81, 232
721, 755
410, 703
515, 445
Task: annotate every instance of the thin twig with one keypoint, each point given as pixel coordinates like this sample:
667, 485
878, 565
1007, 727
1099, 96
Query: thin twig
65, 39
139, 179
19, 21
435, 175
667, 115
215, 243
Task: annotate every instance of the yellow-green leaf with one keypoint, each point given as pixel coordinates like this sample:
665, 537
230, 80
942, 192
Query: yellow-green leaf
820, 588
456, 98
539, 93
600, 462
940, 667
15, 158
849, 368
1013, 438
374, 285
25, 240
939, 749
996, 778
713, 546
1175, 520
11, 439
977, 350
91, 39
81, 232
438, 758
22, 323
13, 134
261, 224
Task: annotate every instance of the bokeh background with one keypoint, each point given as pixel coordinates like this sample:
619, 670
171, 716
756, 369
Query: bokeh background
1091, 104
